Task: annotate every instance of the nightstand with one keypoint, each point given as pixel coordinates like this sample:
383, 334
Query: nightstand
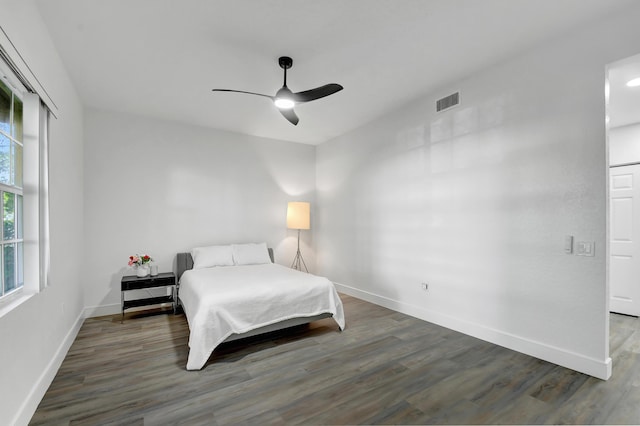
132, 282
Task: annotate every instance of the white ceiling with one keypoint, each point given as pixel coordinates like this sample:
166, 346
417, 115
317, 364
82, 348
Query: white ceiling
161, 58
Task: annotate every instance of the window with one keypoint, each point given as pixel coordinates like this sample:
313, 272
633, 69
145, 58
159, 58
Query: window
24, 180
11, 196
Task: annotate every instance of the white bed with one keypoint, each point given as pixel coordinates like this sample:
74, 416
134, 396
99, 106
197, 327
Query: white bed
226, 302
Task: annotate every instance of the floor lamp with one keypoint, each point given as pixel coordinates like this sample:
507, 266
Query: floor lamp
298, 218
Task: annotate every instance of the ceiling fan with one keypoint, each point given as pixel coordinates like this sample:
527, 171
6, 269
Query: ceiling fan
285, 99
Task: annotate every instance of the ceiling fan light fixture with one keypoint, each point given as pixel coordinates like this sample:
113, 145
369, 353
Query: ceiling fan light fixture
634, 83
284, 103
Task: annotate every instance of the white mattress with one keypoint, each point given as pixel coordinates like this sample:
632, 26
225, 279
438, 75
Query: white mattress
224, 300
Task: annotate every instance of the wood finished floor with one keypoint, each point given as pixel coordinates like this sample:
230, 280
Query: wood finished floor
385, 368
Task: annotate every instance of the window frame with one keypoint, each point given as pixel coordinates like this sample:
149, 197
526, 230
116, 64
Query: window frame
10, 81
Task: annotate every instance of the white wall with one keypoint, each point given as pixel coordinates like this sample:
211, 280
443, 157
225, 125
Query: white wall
476, 202
35, 336
158, 187
624, 145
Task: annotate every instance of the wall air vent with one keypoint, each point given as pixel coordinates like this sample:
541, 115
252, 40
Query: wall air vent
448, 102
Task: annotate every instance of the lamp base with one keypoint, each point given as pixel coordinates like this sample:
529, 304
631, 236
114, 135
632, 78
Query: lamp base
298, 261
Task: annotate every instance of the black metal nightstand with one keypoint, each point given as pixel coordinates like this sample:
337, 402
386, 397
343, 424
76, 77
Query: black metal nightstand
132, 282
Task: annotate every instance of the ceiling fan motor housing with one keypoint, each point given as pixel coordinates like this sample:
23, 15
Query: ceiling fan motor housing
285, 62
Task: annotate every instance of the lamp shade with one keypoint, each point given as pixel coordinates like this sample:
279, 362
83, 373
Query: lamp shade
298, 215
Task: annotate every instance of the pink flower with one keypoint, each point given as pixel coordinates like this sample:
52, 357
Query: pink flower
139, 260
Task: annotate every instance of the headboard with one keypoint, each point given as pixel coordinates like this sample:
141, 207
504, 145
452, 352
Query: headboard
185, 262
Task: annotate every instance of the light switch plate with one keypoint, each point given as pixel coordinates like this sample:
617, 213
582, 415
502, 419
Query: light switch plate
586, 248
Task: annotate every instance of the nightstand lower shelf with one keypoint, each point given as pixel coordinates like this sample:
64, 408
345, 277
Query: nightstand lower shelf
131, 282
148, 301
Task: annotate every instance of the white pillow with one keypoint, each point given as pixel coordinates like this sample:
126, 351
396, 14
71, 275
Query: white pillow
250, 254
208, 257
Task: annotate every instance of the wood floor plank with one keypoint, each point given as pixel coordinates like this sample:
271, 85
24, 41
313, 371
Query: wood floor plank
384, 368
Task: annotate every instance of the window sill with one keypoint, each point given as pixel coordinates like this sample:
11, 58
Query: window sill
13, 301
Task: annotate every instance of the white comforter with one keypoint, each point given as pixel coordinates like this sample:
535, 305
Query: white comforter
224, 300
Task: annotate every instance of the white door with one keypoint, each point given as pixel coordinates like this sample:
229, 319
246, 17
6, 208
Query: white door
624, 277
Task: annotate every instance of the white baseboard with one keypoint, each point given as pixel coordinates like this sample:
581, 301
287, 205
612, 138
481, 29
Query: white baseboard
102, 310
30, 404
591, 366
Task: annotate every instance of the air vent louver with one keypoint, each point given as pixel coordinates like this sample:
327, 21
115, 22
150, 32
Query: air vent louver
448, 102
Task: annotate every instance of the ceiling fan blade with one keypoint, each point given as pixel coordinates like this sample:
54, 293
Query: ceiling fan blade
290, 115
242, 91
317, 93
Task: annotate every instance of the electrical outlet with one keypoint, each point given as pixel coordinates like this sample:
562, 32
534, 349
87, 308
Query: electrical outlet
425, 286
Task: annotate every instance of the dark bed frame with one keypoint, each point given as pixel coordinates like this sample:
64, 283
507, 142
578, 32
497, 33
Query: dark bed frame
185, 262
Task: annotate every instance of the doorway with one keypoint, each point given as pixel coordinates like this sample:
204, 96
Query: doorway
623, 131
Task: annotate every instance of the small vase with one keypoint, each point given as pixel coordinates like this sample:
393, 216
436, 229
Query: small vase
154, 270
142, 271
